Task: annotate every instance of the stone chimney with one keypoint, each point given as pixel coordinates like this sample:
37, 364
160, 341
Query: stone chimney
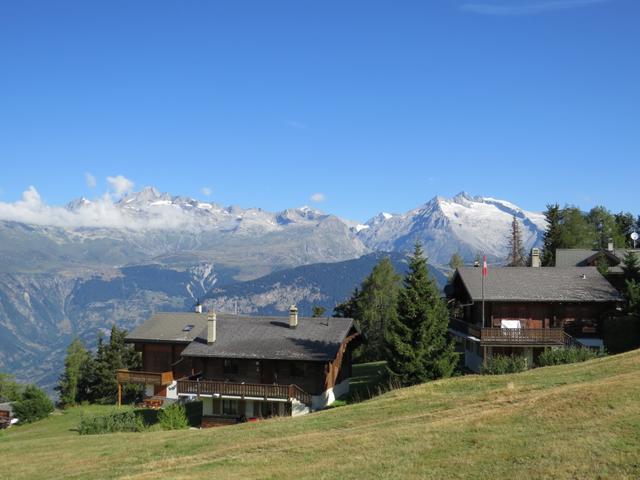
211, 328
293, 316
535, 258
197, 307
610, 245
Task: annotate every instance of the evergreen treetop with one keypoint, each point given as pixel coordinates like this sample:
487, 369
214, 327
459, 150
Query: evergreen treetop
418, 346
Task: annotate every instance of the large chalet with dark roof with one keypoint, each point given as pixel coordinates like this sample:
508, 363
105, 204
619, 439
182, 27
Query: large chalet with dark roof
244, 366
527, 310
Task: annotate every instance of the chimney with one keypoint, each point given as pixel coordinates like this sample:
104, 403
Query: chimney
211, 328
535, 258
197, 307
293, 316
610, 245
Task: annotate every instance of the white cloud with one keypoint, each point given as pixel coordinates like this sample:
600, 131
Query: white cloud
528, 8
90, 179
206, 191
101, 212
318, 197
120, 185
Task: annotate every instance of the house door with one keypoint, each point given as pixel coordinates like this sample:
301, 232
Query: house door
268, 373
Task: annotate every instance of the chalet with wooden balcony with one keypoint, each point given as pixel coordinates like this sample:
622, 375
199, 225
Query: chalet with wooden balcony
244, 366
527, 310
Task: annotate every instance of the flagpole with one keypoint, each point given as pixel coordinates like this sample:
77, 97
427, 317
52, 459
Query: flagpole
484, 274
483, 299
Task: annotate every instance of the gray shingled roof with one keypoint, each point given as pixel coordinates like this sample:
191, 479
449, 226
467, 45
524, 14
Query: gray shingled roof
314, 339
577, 257
546, 284
169, 327
572, 257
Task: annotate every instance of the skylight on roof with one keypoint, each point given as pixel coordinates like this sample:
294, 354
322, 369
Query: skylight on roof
187, 328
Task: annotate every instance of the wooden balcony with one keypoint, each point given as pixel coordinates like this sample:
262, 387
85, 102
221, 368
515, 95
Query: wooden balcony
243, 390
522, 336
144, 378
510, 336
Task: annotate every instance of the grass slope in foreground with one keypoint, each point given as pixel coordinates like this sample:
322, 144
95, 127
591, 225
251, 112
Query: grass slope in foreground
575, 421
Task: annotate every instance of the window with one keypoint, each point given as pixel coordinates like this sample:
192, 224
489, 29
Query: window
296, 369
229, 407
230, 366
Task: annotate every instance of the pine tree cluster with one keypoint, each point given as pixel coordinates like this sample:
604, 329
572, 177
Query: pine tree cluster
91, 377
403, 322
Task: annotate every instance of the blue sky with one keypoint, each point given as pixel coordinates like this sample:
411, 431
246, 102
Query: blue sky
369, 105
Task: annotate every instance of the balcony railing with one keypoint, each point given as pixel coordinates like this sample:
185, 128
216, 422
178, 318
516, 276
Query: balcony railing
520, 336
510, 336
242, 390
145, 378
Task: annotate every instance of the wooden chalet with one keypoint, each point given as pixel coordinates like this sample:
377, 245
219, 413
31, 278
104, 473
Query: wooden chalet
244, 366
527, 310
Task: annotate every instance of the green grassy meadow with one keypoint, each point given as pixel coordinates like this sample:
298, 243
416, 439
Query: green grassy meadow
577, 421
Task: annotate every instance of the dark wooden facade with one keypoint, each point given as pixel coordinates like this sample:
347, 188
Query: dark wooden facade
312, 377
578, 319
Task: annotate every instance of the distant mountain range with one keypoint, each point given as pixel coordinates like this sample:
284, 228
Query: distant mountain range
149, 225
74, 270
321, 284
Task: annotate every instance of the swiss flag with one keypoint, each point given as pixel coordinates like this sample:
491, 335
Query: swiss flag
485, 271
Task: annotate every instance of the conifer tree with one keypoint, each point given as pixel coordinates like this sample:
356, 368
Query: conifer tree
71, 378
631, 267
517, 256
631, 270
418, 346
552, 235
376, 307
348, 308
110, 357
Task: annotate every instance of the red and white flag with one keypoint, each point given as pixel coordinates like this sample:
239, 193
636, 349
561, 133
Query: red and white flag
485, 271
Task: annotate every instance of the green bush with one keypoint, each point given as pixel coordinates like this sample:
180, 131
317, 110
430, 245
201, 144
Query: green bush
32, 405
194, 412
561, 356
173, 417
116, 421
501, 364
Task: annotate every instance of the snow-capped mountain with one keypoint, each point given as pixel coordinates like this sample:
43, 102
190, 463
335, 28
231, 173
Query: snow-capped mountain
464, 224
150, 225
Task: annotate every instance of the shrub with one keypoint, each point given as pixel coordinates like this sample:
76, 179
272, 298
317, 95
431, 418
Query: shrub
115, 421
173, 417
32, 405
501, 364
194, 412
561, 356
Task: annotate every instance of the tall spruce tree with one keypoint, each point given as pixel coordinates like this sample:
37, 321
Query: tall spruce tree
552, 235
110, 357
71, 379
517, 256
417, 343
376, 306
